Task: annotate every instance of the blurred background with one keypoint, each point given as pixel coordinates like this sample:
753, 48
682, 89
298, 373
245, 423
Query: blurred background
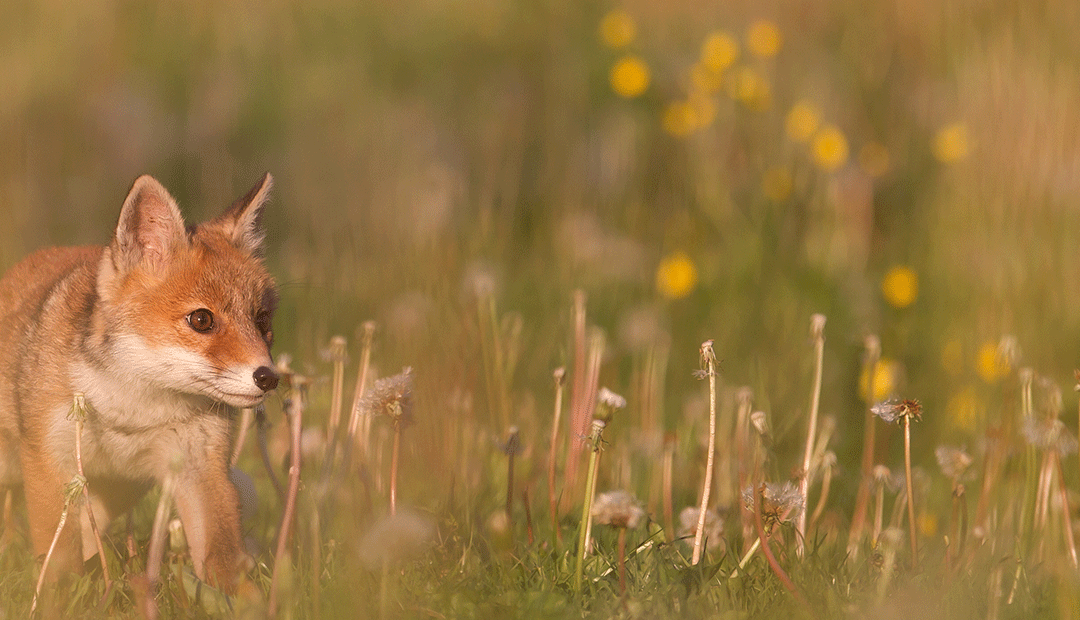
700, 170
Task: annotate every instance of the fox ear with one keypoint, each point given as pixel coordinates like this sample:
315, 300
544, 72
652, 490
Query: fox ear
242, 222
150, 226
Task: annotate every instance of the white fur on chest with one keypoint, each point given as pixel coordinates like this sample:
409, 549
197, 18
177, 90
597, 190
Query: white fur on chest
140, 431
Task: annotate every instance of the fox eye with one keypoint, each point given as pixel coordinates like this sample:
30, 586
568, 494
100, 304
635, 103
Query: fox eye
201, 320
262, 322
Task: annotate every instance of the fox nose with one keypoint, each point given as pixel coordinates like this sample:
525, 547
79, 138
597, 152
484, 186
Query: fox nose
265, 378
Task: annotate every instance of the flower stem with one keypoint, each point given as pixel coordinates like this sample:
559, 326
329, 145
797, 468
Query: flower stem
586, 508
910, 492
817, 328
709, 357
553, 502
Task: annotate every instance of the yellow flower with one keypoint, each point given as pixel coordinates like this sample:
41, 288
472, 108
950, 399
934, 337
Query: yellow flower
990, 363
965, 409
886, 380
676, 276
719, 51
802, 121
617, 29
764, 38
830, 148
874, 159
776, 184
629, 76
900, 286
928, 524
951, 143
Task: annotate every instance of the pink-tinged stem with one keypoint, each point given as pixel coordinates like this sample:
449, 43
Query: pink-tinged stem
295, 410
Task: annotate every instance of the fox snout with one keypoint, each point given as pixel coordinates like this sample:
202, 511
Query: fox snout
265, 378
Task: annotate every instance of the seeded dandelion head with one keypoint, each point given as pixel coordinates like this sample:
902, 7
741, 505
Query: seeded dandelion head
896, 410
779, 502
618, 509
391, 396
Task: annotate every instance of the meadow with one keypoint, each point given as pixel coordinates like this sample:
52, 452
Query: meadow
810, 262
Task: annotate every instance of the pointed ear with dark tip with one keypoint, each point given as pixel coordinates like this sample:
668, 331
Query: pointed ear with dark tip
242, 222
150, 227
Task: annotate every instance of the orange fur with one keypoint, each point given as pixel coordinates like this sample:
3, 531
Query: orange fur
158, 330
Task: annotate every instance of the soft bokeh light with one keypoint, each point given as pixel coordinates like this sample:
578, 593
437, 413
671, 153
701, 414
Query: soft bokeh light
676, 276
900, 286
951, 143
763, 38
990, 363
618, 29
830, 148
630, 76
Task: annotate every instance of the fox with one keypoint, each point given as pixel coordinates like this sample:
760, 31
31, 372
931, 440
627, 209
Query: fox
162, 331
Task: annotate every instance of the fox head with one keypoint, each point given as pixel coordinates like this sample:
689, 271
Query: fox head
188, 308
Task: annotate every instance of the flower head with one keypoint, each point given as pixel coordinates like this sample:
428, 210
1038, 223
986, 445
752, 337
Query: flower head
953, 461
629, 76
895, 410
714, 526
900, 286
779, 502
618, 509
1049, 434
391, 396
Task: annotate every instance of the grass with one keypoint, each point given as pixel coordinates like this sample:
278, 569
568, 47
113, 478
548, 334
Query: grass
469, 178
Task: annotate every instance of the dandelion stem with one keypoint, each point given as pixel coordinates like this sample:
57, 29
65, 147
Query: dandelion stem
394, 467
668, 466
157, 544
1066, 514
708, 356
622, 561
910, 492
48, 556
817, 328
294, 408
862, 498
773, 564
586, 509
246, 416
79, 411
358, 393
553, 502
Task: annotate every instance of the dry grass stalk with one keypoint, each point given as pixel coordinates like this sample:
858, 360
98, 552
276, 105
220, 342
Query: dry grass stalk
553, 502
862, 498
337, 356
247, 415
708, 369
367, 341
79, 411
817, 331
294, 409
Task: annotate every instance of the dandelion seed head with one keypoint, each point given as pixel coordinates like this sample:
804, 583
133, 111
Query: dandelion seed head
391, 396
714, 526
895, 410
954, 462
1049, 434
779, 502
610, 399
618, 509
881, 474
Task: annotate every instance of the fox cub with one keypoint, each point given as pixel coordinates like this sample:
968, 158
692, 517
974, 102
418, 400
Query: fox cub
158, 330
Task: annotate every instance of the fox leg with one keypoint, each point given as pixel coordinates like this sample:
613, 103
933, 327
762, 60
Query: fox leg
210, 511
44, 487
